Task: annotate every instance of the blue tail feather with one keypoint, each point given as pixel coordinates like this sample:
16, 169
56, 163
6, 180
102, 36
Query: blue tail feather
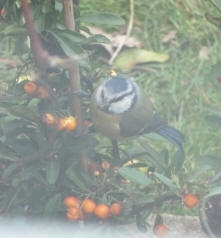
172, 135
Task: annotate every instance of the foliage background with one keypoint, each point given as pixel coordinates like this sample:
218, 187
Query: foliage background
40, 166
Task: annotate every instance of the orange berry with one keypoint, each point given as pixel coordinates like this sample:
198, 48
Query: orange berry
88, 206
96, 173
105, 165
161, 230
72, 217
102, 211
115, 209
67, 123
30, 87
2, 12
70, 123
42, 93
72, 201
49, 119
75, 212
60, 124
190, 200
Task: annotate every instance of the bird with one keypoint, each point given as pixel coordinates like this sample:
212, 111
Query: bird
120, 110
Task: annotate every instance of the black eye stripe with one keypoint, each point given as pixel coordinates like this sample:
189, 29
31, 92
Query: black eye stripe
116, 99
120, 97
102, 94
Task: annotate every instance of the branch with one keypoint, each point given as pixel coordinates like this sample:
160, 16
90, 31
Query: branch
129, 29
75, 82
42, 58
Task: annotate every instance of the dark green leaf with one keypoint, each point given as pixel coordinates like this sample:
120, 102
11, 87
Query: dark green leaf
13, 29
141, 220
72, 175
102, 19
178, 160
26, 174
98, 39
70, 36
9, 170
215, 72
213, 162
217, 3
7, 153
134, 175
53, 170
214, 121
156, 158
198, 172
69, 45
24, 112
158, 221
53, 205
166, 181
214, 191
214, 20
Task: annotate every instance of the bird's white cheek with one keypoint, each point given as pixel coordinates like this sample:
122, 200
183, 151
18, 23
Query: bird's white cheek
122, 105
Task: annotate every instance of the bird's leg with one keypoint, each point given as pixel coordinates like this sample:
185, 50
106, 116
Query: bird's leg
115, 148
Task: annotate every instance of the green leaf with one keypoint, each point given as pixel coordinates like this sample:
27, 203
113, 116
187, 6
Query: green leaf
53, 205
24, 175
128, 59
134, 175
214, 191
102, 19
7, 153
76, 179
215, 72
198, 172
13, 29
214, 20
213, 162
214, 121
68, 44
217, 3
98, 39
158, 221
25, 113
167, 182
157, 159
178, 160
9, 170
71, 36
53, 170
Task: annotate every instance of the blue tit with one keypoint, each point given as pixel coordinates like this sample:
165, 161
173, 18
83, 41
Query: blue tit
120, 109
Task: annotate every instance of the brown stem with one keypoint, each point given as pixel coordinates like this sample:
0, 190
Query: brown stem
41, 56
75, 82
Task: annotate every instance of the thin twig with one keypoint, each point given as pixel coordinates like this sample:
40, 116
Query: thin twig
42, 58
75, 82
129, 29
